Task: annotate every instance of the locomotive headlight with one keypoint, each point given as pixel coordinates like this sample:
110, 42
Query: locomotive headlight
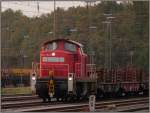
33, 78
70, 78
53, 54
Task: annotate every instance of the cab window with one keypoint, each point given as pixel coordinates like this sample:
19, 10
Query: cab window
52, 46
70, 47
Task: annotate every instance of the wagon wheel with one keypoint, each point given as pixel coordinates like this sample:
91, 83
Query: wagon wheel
121, 92
141, 91
100, 94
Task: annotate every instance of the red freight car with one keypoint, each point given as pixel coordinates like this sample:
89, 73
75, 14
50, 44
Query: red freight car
122, 81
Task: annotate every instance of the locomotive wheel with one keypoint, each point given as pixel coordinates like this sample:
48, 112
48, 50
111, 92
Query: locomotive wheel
77, 98
65, 99
44, 100
57, 99
73, 98
69, 98
49, 99
62, 99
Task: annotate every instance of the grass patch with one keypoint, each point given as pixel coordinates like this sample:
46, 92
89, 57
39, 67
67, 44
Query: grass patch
17, 90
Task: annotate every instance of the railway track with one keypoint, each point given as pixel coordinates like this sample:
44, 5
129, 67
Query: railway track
117, 105
18, 97
12, 95
26, 101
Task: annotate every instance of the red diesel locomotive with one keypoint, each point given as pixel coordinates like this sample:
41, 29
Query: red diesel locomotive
66, 73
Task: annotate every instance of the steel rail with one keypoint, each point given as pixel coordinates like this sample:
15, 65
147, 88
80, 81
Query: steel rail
23, 104
77, 107
18, 98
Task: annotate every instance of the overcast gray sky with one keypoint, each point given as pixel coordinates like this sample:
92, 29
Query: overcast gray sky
30, 8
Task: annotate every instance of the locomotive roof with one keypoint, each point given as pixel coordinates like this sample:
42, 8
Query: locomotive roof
66, 40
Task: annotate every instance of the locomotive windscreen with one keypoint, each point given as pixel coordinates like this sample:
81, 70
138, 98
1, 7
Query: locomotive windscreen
70, 47
51, 46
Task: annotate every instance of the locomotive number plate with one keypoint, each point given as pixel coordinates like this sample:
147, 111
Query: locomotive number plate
53, 59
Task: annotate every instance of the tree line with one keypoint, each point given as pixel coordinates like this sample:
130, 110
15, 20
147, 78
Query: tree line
22, 36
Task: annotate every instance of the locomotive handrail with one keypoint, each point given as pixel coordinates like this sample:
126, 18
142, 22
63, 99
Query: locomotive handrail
77, 69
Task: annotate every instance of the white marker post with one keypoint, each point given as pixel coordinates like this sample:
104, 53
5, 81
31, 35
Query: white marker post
92, 103
33, 82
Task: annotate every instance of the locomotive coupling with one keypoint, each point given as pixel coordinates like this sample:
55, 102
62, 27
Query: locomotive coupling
51, 84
